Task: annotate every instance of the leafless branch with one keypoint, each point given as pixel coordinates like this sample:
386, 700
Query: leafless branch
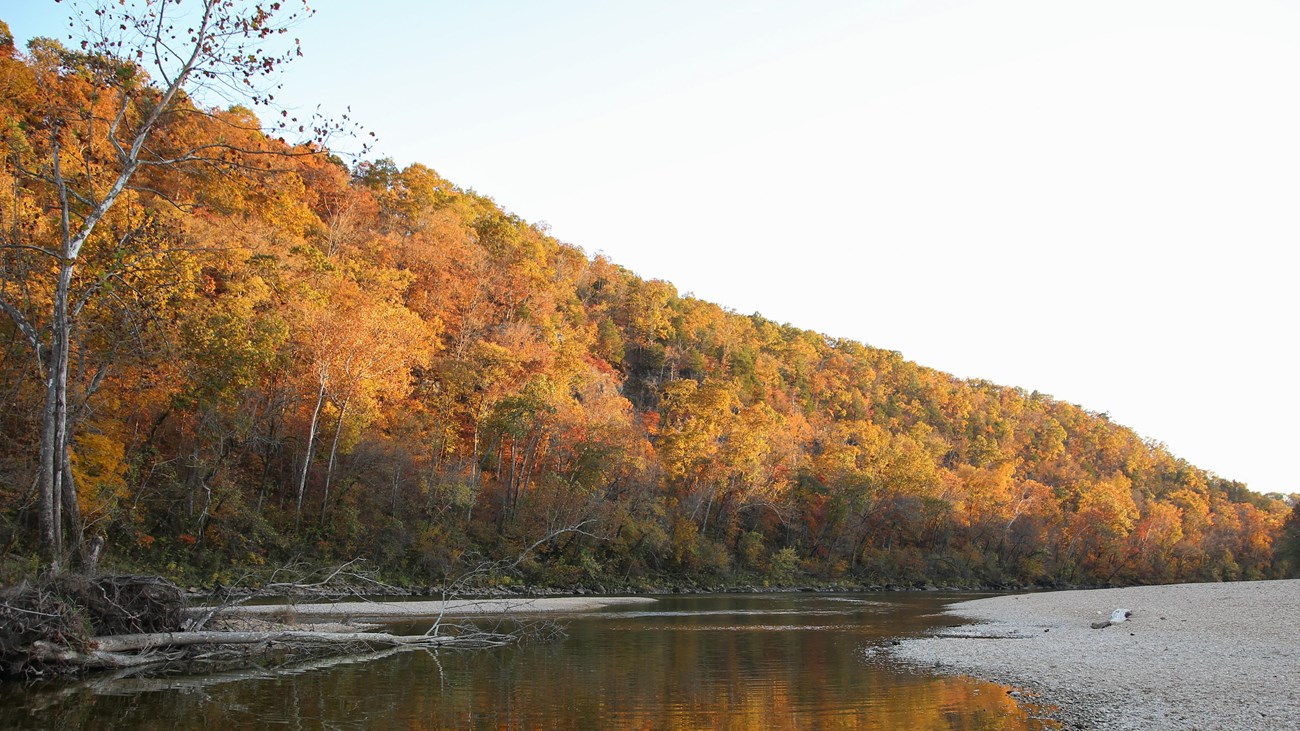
30, 247
23, 326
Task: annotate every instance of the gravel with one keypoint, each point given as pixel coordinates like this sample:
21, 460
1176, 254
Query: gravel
429, 609
1190, 656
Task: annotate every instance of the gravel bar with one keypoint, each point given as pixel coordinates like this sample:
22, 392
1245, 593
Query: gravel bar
362, 610
1211, 657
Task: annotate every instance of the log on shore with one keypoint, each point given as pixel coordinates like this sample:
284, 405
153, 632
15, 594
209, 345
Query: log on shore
49, 653
119, 652
156, 640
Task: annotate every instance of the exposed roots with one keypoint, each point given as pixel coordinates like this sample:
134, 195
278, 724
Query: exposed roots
51, 625
76, 623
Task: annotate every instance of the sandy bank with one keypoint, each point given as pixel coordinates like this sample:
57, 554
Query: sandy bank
363, 610
1192, 656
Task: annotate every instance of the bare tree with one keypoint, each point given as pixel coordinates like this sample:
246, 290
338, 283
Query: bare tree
145, 62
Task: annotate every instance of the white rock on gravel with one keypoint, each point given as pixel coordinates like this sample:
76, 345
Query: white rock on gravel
1213, 657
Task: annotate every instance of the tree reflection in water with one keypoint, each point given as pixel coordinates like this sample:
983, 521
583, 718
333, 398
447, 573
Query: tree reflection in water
697, 662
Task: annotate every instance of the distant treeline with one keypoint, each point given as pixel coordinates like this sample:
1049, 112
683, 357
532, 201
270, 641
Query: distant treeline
304, 360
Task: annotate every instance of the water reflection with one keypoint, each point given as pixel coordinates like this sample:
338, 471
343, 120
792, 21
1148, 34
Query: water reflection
732, 662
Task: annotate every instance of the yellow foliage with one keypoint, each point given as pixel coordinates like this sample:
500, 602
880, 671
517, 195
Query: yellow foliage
99, 471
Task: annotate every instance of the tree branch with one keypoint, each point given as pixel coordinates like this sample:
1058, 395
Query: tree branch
31, 247
24, 327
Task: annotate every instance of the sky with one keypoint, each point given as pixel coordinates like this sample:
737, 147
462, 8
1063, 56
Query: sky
1094, 200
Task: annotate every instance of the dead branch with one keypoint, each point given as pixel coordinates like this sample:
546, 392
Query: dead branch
292, 582
49, 653
121, 652
159, 640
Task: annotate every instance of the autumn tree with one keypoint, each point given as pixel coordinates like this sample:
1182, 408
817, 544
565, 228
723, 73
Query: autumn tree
208, 330
357, 349
1289, 547
100, 122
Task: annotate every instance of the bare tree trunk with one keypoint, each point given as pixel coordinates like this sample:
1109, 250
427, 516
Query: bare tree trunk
61, 440
329, 470
704, 526
438, 446
192, 481
54, 426
506, 486
266, 463
48, 517
525, 471
397, 479
536, 455
223, 449
72, 509
311, 447
512, 483
473, 465
93, 552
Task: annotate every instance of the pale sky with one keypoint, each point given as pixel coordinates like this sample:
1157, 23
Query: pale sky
1097, 200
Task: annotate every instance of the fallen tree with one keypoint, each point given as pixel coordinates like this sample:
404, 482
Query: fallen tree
74, 623
119, 652
159, 640
139, 680
53, 623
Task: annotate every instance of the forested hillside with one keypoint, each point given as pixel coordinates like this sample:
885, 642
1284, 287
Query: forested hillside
294, 358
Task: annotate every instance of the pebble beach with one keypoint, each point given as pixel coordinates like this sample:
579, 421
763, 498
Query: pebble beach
1210, 657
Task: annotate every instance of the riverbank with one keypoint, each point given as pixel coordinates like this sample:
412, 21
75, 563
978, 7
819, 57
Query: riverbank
74, 623
1190, 656
648, 588
380, 610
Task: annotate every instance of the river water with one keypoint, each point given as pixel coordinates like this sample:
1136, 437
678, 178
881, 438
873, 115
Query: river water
766, 661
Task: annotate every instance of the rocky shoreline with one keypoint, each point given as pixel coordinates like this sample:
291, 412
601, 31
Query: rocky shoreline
200, 594
1189, 656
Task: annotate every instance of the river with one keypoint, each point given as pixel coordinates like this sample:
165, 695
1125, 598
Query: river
752, 661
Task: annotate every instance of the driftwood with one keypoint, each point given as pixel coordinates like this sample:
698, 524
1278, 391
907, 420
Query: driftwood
49, 653
74, 624
118, 652
124, 623
130, 681
157, 640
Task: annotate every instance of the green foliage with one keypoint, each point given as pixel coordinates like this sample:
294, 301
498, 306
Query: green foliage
785, 565
751, 551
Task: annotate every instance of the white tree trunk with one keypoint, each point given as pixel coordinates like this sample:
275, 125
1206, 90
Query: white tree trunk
329, 469
311, 447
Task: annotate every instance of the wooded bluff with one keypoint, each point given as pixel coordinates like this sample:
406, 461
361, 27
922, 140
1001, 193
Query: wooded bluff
288, 358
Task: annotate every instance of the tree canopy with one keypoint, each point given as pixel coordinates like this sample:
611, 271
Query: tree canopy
371, 361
